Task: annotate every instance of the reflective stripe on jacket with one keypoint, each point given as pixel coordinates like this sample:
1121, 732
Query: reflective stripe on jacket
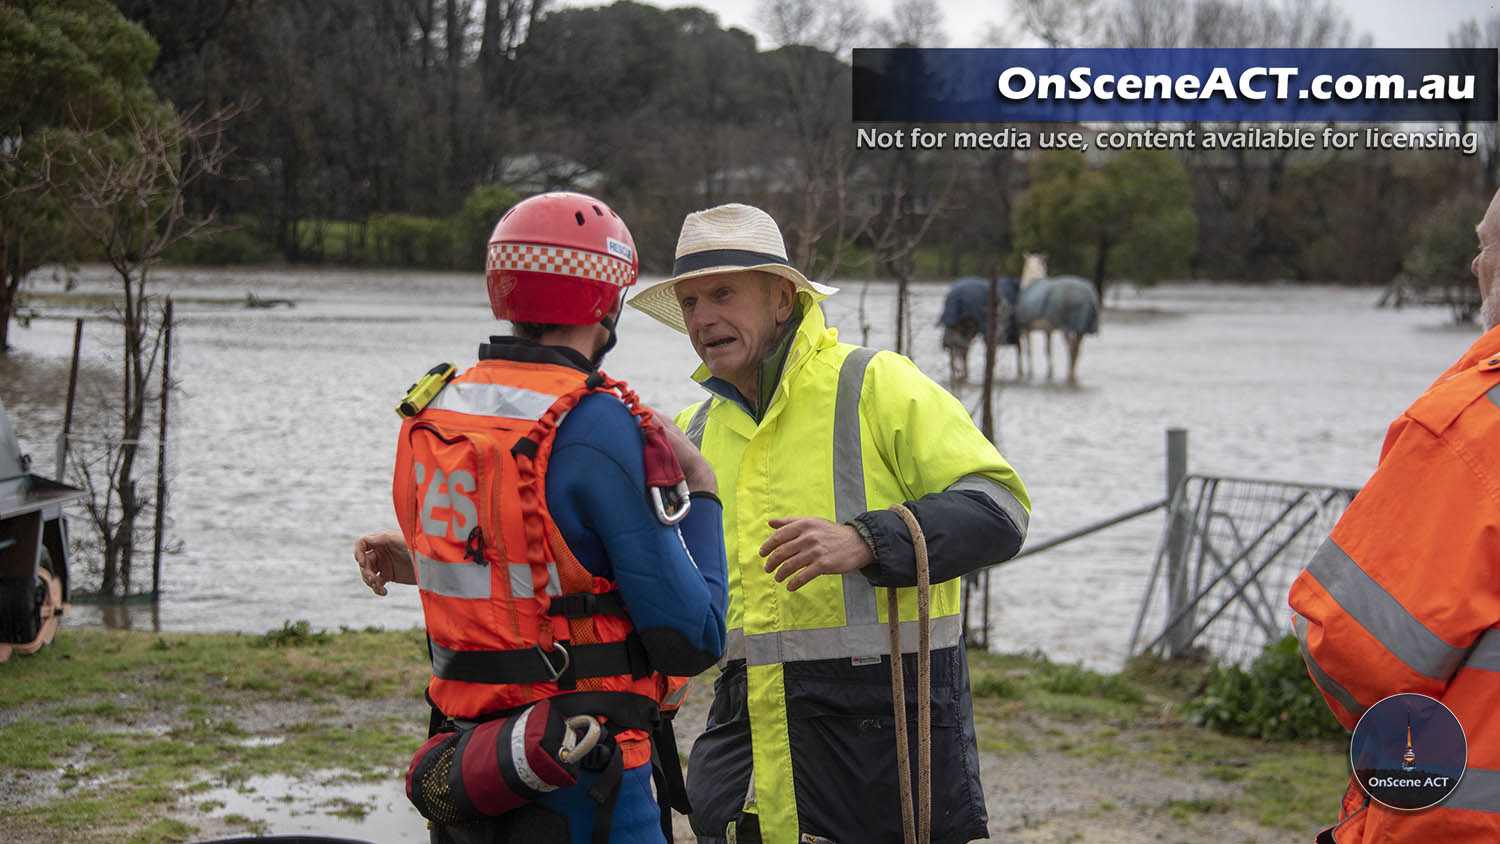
848, 430
1404, 596
470, 495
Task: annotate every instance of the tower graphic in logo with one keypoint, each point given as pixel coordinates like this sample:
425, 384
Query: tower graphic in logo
1409, 759
1384, 755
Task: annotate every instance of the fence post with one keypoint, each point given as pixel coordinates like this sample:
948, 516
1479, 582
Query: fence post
161, 454
1177, 536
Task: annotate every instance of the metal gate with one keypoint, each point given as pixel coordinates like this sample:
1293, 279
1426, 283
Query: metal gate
1229, 552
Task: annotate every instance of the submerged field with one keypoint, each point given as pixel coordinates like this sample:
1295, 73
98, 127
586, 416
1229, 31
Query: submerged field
121, 736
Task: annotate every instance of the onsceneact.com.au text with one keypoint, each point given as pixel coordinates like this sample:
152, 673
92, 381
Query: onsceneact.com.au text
1252, 83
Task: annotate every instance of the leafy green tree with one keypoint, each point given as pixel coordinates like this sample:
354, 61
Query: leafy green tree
1130, 218
66, 67
472, 225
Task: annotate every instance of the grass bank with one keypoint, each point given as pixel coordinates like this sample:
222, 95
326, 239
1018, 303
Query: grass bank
127, 736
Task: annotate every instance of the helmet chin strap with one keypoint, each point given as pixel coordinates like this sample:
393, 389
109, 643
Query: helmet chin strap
609, 323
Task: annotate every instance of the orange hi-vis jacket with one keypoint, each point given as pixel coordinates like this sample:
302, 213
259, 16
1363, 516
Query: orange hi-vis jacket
512, 617
1404, 596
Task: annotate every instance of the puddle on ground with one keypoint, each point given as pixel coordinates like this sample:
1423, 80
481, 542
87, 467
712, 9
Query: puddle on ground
322, 803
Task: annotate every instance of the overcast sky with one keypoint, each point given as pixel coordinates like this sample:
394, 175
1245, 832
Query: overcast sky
1392, 23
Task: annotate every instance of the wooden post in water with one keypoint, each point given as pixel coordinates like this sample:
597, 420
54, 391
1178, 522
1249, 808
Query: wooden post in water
62, 437
987, 411
1177, 536
161, 453
981, 580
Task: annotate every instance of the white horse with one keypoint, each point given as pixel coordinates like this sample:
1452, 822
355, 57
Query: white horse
1065, 303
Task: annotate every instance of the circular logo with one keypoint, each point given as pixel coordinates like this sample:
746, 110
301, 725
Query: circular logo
1408, 751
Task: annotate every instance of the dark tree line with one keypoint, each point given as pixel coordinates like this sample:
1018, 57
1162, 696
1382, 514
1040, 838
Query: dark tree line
359, 108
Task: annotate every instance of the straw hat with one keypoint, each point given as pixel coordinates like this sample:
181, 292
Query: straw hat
723, 239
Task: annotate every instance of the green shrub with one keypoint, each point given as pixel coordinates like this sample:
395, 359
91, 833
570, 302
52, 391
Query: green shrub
292, 634
406, 240
1275, 699
470, 228
222, 248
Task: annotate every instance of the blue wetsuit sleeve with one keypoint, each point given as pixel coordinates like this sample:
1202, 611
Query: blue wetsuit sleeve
672, 577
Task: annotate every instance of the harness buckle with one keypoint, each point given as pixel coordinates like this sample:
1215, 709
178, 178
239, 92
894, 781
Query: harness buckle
556, 672
672, 506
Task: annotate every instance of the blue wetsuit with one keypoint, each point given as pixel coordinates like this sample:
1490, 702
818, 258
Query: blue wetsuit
673, 579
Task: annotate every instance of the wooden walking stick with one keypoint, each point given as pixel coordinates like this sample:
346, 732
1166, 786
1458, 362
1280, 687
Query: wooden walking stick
917, 830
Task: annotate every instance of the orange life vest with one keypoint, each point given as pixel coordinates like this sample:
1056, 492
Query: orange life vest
512, 616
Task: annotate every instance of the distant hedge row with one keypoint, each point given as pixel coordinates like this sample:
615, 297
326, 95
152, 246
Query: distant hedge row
455, 242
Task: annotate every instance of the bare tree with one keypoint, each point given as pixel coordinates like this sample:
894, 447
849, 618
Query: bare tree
127, 196
1148, 23
834, 27
1486, 33
1060, 23
918, 23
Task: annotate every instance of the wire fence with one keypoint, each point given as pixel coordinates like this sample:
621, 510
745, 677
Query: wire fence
1229, 552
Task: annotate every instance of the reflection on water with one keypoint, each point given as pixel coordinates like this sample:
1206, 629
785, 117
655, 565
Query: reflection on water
325, 803
284, 429
136, 614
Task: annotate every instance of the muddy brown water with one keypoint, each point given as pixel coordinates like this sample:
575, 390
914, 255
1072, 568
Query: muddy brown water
284, 430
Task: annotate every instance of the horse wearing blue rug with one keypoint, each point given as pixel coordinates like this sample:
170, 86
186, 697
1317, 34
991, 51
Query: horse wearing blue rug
966, 313
1065, 303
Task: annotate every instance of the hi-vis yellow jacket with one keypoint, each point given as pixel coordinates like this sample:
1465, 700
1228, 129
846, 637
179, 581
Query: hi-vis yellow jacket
801, 732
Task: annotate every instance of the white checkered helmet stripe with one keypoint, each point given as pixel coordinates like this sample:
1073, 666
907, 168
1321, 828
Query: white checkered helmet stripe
558, 260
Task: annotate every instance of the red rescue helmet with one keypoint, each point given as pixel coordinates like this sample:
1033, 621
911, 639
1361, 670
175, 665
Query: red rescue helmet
561, 258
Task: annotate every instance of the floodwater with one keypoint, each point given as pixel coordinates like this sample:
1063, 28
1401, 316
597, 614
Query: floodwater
283, 433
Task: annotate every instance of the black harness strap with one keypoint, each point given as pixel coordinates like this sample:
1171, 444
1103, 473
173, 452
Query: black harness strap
666, 772
533, 665
606, 792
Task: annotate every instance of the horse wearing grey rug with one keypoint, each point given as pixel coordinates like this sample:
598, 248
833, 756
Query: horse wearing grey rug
966, 313
1065, 303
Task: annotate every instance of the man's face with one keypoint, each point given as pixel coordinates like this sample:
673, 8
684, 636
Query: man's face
1486, 265
733, 320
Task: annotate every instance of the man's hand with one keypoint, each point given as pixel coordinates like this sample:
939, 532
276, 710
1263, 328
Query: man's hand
383, 559
804, 547
700, 475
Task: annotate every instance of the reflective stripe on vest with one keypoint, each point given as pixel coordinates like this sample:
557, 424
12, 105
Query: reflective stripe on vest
695, 426
1003, 498
849, 480
1478, 790
1368, 603
835, 642
481, 399
1325, 682
1485, 655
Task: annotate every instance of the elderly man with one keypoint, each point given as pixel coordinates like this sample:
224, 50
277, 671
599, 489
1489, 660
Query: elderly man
812, 440
1404, 596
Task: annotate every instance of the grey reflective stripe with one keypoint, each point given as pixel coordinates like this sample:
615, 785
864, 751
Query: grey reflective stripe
492, 400
1326, 683
996, 492
699, 422
1479, 791
1380, 613
520, 580
678, 695
519, 759
849, 477
1494, 394
734, 645
452, 580
1485, 655
841, 642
